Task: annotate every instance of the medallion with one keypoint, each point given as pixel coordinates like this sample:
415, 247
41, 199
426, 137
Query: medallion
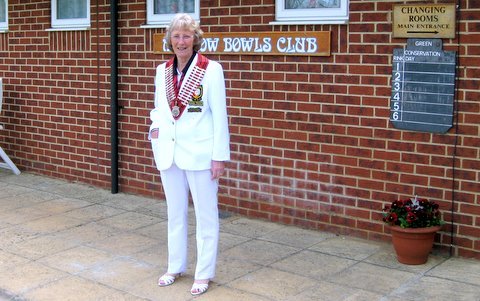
175, 111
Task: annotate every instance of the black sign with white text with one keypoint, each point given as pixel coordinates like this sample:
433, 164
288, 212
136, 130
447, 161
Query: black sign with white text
423, 87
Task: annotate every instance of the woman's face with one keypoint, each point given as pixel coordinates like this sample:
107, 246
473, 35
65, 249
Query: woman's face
182, 42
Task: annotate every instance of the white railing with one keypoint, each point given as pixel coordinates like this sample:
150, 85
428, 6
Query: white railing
8, 164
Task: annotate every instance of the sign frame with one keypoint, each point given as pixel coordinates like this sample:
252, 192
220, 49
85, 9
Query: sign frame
424, 20
315, 43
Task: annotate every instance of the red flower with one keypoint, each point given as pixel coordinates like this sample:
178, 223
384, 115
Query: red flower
411, 217
392, 217
397, 204
423, 202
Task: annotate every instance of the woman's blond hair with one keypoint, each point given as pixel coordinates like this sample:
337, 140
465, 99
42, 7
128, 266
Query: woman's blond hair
184, 22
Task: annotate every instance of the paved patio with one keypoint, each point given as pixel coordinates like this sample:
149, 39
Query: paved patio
69, 241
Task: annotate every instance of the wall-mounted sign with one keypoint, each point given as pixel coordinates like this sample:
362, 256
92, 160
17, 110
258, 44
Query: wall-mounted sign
424, 21
259, 43
423, 87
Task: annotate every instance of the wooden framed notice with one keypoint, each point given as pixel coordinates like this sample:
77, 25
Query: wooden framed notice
259, 43
424, 21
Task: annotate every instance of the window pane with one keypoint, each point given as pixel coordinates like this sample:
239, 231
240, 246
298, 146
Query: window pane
3, 17
173, 6
71, 9
296, 4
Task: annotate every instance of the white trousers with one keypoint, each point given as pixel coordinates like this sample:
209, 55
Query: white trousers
176, 184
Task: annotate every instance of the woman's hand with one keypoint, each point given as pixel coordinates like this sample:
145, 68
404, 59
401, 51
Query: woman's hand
218, 168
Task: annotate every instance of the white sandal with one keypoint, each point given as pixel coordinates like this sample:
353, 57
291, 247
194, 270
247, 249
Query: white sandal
167, 279
199, 288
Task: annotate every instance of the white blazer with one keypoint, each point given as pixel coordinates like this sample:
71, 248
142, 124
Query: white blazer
201, 134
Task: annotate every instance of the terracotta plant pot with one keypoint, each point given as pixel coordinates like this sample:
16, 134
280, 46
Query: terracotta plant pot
413, 245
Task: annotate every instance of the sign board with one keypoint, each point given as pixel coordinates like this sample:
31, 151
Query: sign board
315, 43
424, 21
423, 87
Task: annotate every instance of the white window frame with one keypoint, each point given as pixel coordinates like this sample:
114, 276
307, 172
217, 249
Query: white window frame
332, 15
70, 24
4, 25
162, 20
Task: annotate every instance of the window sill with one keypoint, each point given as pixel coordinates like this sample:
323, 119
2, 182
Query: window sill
73, 28
308, 22
159, 25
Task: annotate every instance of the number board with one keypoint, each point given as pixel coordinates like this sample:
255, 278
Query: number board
423, 87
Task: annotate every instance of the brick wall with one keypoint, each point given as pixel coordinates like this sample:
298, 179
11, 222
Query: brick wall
312, 144
56, 94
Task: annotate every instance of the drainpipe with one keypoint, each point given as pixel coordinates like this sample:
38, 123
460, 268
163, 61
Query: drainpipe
114, 95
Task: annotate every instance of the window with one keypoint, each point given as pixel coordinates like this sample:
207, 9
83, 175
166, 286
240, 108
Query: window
161, 12
3, 15
311, 11
70, 14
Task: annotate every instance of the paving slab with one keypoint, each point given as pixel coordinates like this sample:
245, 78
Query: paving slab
70, 241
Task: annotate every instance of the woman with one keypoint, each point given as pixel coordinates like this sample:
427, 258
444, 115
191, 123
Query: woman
190, 142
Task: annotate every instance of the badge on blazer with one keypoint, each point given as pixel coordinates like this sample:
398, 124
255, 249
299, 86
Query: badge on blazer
197, 97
